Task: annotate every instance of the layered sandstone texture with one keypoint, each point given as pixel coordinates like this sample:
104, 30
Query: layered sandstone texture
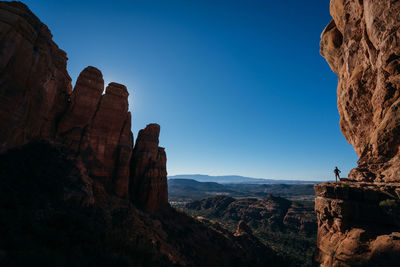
362, 46
37, 102
358, 224
34, 83
98, 127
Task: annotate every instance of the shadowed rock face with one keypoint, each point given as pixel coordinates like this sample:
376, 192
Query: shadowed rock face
98, 127
85, 100
108, 142
37, 103
33, 77
362, 45
71, 189
149, 189
358, 224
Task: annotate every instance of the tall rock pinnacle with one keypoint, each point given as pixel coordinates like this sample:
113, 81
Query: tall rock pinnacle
149, 188
37, 102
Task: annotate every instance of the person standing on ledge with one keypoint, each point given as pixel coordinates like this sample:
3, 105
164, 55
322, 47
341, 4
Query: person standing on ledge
337, 172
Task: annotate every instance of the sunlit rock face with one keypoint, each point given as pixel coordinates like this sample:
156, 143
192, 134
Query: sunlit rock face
358, 222
362, 46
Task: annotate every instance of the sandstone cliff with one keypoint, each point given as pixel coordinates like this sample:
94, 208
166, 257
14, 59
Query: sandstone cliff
37, 103
361, 45
358, 220
358, 224
34, 81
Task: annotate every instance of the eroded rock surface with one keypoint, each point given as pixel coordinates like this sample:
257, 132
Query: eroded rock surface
358, 224
107, 145
98, 127
34, 81
37, 103
358, 219
362, 46
149, 189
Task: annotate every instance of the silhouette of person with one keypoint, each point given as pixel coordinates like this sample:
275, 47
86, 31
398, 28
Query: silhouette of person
337, 172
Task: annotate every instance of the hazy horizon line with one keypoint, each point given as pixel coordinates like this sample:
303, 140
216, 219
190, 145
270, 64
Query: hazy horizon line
263, 178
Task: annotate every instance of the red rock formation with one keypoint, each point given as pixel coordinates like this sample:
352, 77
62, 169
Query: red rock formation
36, 101
362, 45
148, 186
358, 224
124, 149
84, 160
98, 128
243, 228
85, 100
108, 141
33, 77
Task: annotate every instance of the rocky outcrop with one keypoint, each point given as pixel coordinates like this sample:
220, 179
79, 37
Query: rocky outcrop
242, 228
34, 81
358, 224
362, 46
84, 102
148, 188
47, 219
358, 219
107, 145
37, 103
98, 127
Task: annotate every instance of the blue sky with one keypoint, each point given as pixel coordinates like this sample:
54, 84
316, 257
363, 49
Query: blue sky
238, 87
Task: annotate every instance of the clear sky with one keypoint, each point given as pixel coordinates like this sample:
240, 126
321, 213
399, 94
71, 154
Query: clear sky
238, 87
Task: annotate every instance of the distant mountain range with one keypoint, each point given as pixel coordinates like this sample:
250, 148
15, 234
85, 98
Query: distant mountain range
236, 179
